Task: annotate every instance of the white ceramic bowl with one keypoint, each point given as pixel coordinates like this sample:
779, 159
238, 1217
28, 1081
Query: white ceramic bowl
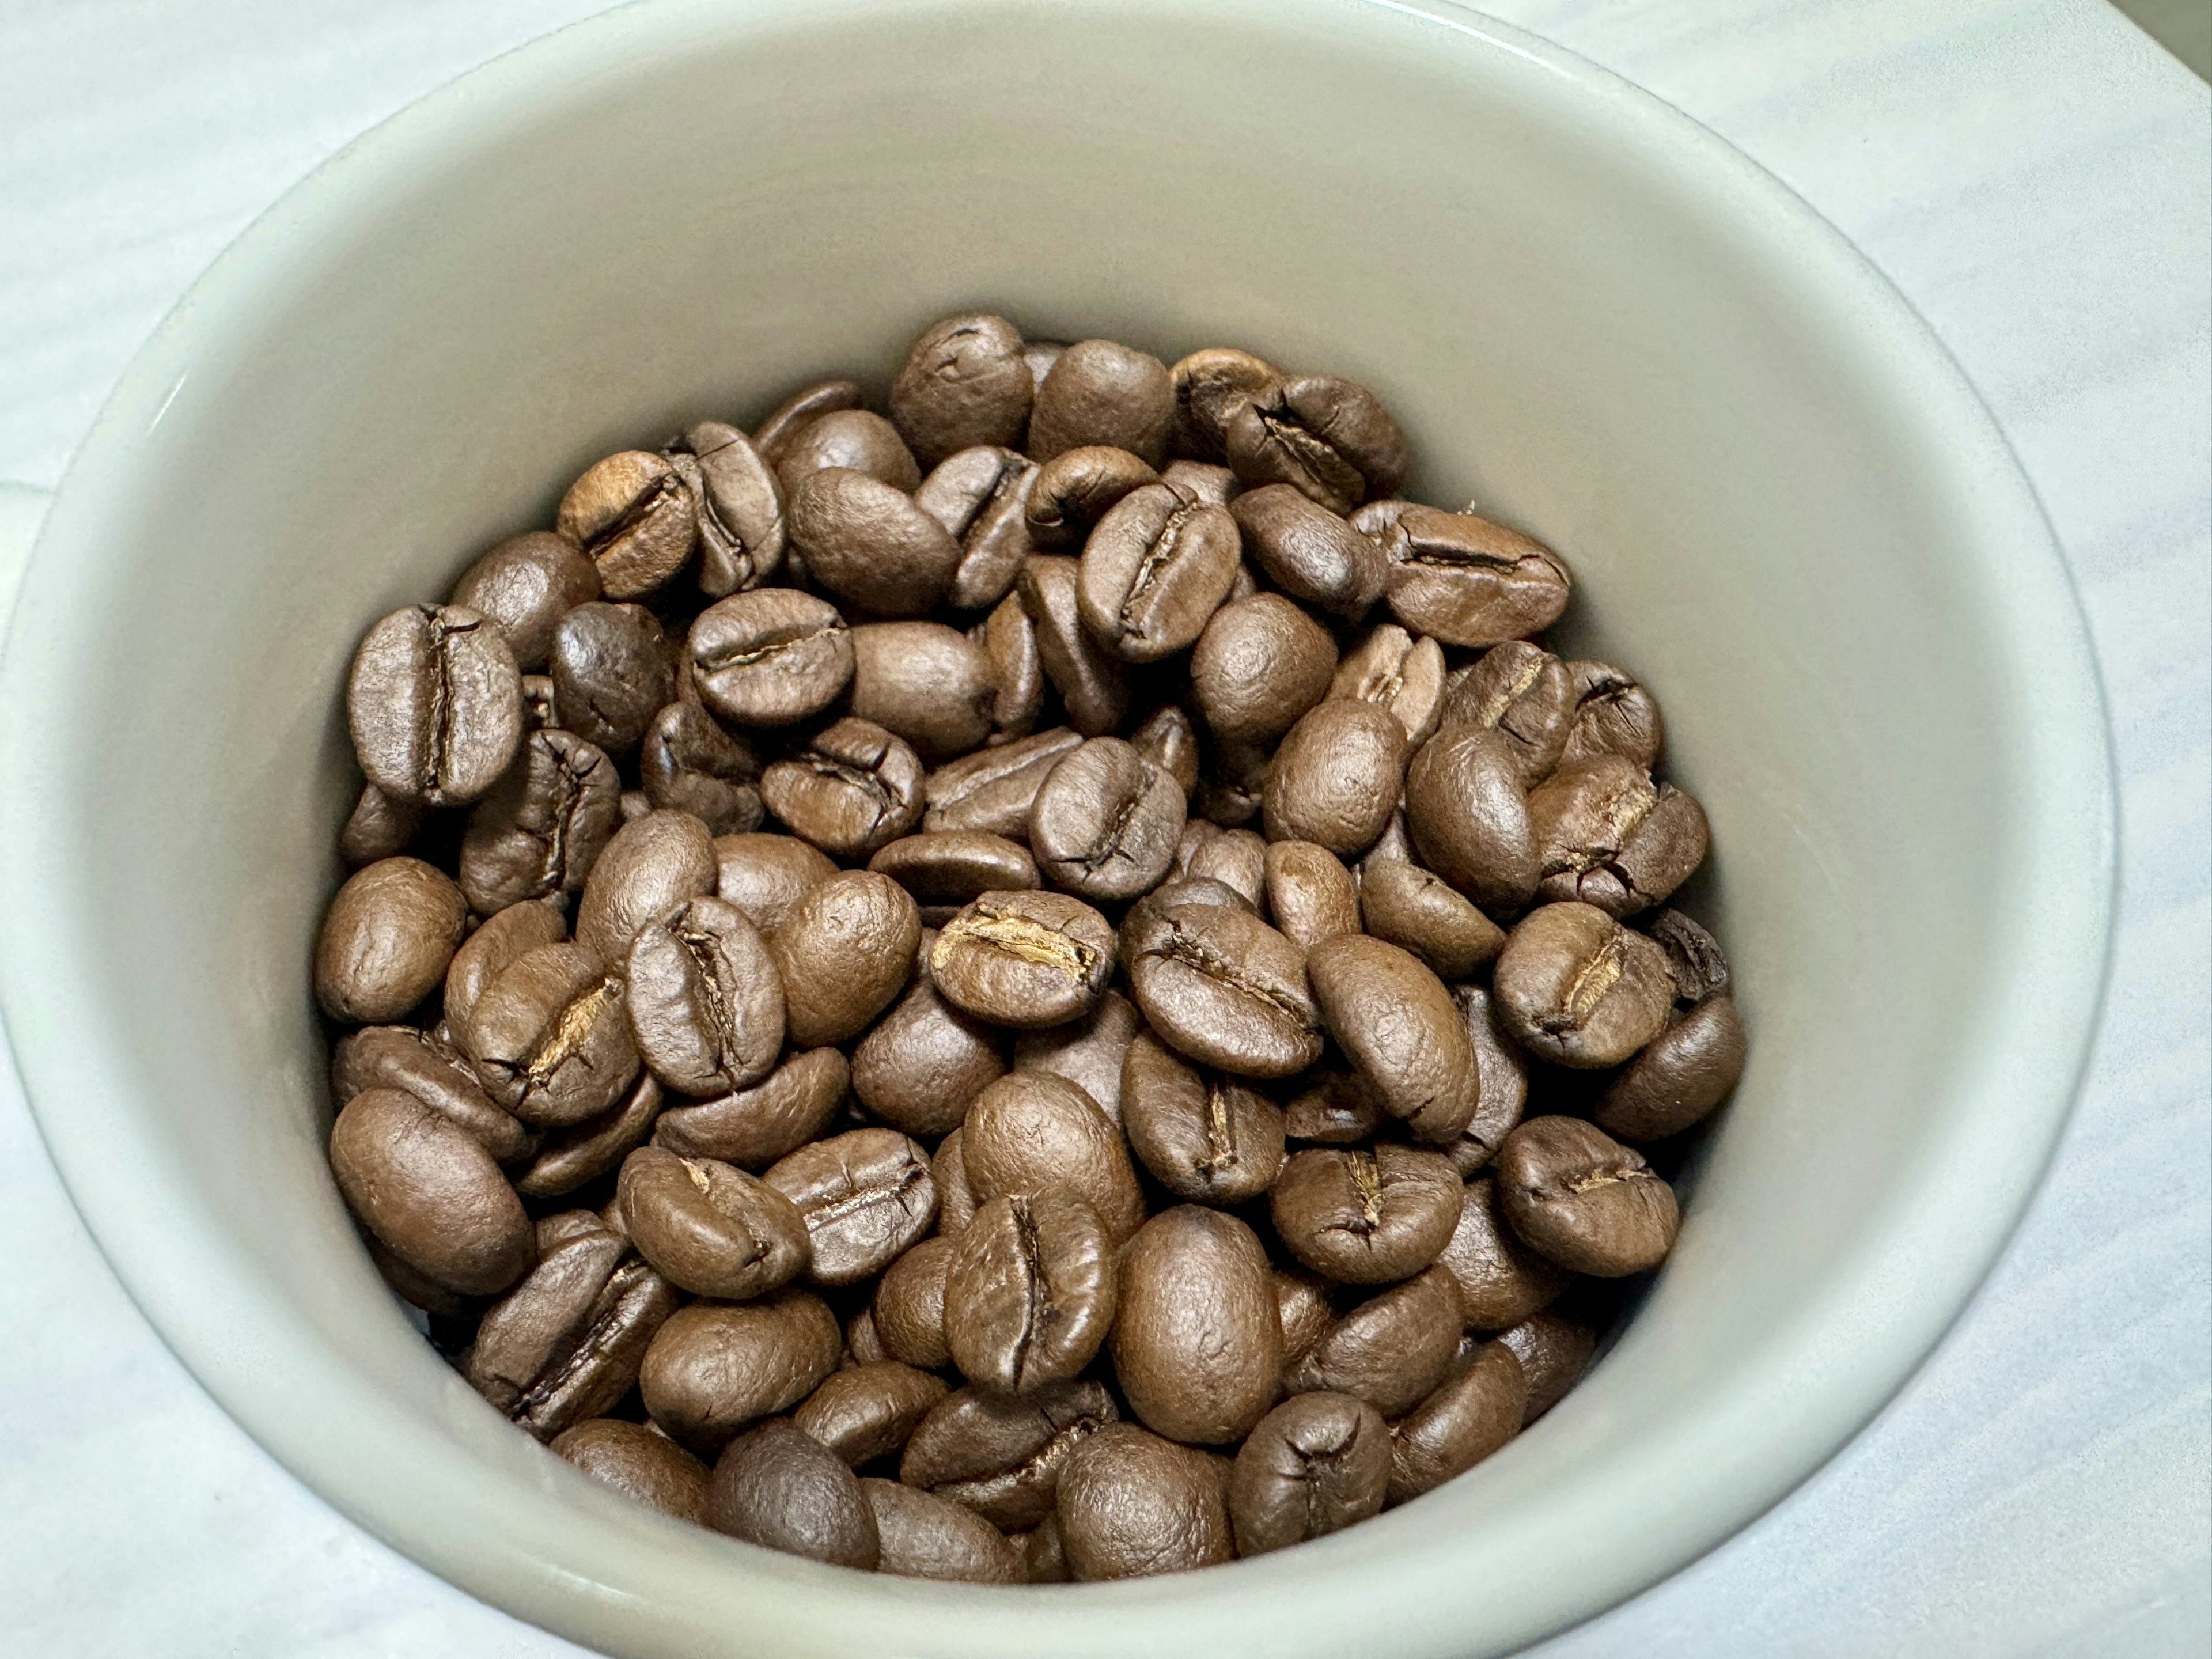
1788, 514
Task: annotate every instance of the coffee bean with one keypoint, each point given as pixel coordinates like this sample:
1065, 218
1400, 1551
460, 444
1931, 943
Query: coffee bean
537, 699
1521, 692
1468, 581
1336, 1108
1607, 835
909, 1302
434, 703
540, 832
1504, 1081
429, 1191
501, 941
380, 826
921, 1063
946, 869
1329, 438
568, 1158
1130, 1504
1469, 819
1260, 663
866, 1196
1099, 392
1470, 1417
1410, 907
1390, 1351
1694, 958
1167, 739
1582, 1199
1401, 1031
1682, 1074
1087, 1051
1104, 822
1235, 858
708, 1227
800, 410
689, 763
1394, 670
850, 439
524, 586
764, 875
1302, 1308
1576, 987
386, 939
1226, 989
1367, 1215
965, 382
755, 1127
652, 868
1030, 1291
634, 519
705, 1005
1075, 489
1613, 715
865, 541
715, 1367
781, 1489
925, 682
1043, 1560
1155, 570
1501, 1281
644, 1466
1208, 1140
401, 1057
992, 790
868, 1411
1088, 678
739, 504
1336, 777
924, 1536
854, 788
1308, 552
1197, 1344
1553, 1350
1211, 387
1009, 638
980, 496
1142, 920
1026, 959
1310, 893
1314, 1465
1214, 486
769, 657
1001, 1455
955, 1205
551, 1039
612, 671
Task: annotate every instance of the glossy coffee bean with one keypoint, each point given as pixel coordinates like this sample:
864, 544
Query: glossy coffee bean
537, 835
1105, 821
708, 1227
1196, 1346
1310, 894
1308, 552
853, 788
1521, 692
634, 519
764, 875
965, 382
1553, 1350
1208, 1140
865, 541
1030, 1291
1154, 571
1088, 677
1142, 920
1468, 1418
1260, 663
1001, 1455
755, 1127
1131, 1504
955, 1205
1099, 392
947, 869
1030, 1131
909, 1302
430, 1192
1336, 778
379, 827
1043, 1559
1576, 987
926, 1536
1501, 1280
1395, 671
1680, 1075
865, 1195
1467, 581
1216, 486
644, 1466
991, 791
715, 1367
1009, 638
1613, 715
689, 763
1469, 818
925, 682
1336, 1108
652, 867
1424, 915
1303, 1307
387, 940
1314, 1465
917, 1068
550, 1038
855, 439
1329, 438
769, 657
1022, 958
980, 496
568, 1158
401, 1057
503, 939
1211, 386
845, 949
1402, 1032
1087, 1051
1167, 739
868, 1411
1076, 488
805, 406
434, 703
1504, 1081
1391, 1350
1366, 1215
524, 586
1227, 990
613, 671
1580, 1197
739, 504
781, 1489
1607, 835
1236, 857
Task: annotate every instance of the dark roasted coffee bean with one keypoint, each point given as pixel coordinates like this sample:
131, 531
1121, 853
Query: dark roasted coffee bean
1167, 739
965, 382
868, 1410
537, 835
550, 1038
1088, 1052
1308, 552
1401, 1031
644, 1466
783, 1490
909, 1302
738, 505
1613, 715
1470, 1417
955, 1205
387, 940
380, 826
1553, 1350
1099, 392
867, 1196
1607, 835
865, 541
1336, 778
755, 1127
948, 868
1130, 1504
980, 496
1141, 921
401, 1057
1337, 1109
1088, 677
567, 1159
1366, 1215
611, 672
501, 941
689, 763
1030, 1291
524, 585
705, 1004
1009, 638
1470, 582
1025, 959
429, 1191
764, 875
925, 682
1075, 488
992, 790
770, 656
1500, 1280
1207, 1139
1682, 1074
921, 1063
1576, 987
804, 407
1390, 1351
443, 1304
708, 1227
1315, 1464
650, 869
1001, 1455
1504, 1081
1419, 912
1211, 388
1393, 669
1310, 894
1197, 1344
926, 1536
854, 788
1105, 821
634, 519
1330, 438
1226, 989
435, 705
1521, 692
852, 440
1031, 1131
714, 1367
1155, 570
1468, 816
1574, 1194
1235, 858
1260, 665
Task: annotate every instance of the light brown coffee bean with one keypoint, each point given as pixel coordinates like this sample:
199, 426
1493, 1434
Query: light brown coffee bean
567, 1159
866, 1196
909, 1302
502, 940
1469, 582
1208, 1140
1501, 1281
1105, 821
980, 496
401, 1057
644, 1466
689, 763
550, 1038
1226, 989
845, 949
1001, 1455
1579, 1197
1421, 913
713, 1367
1310, 893
1076, 488
764, 875
524, 586
865, 541
1366, 1215
1314, 1465
781, 1489
429, 1191
634, 519
991, 792
1336, 777
1613, 715
387, 940
1400, 1028
1469, 818
769, 657
1260, 663
868, 1410
1024, 959
1331, 438
708, 1227
612, 669
1470, 1417
857, 440
1394, 670
1030, 1291
1211, 387
738, 505
918, 1066
1099, 392
434, 702
1088, 677
1030, 1131
854, 788
1197, 1344
1576, 987
924, 1536
965, 382
755, 1127
1521, 692
1154, 571
1087, 1051
704, 1003
807, 405
1131, 1504
1607, 835
948, 869
925, 682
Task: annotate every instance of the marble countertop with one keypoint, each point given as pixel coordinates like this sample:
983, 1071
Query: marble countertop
2034, 174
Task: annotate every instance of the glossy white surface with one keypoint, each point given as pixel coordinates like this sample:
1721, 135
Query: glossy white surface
2124, 1495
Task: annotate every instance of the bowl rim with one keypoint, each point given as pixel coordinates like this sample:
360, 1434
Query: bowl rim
1895, 1305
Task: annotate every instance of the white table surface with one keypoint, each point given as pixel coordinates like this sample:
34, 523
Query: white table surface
2034, 174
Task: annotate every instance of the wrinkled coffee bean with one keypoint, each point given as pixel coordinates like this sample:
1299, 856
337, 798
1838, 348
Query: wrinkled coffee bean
435, 705
1501, 1281
1207, 1139
1031, 1131
1329, 438
613, 671
1401, 1031
1470, 1417
909, 1301
865, 1196
550, 1038
980, 496
851, 440
992, 790
738, 505
1607, 835
925, 682
524, 586
801, 410
1075, 489
714, 1367
1131, 1504
1579, 1197
1553, 1350
1029, 1292
708, 1227
430, 1192
652, 867
854, 788
1368, 1215
1197, 1345
540, 832
689, 763
401, 1057
844, 951
1310, 894
924, 1536
1099, 392
1088, 678
1405, 904
1313, 1466
769, 657
1024, 959
1154, 571
865, 541
965, 382
1226, 989
1469, 818
1260, 665
755, 1127
1336, 777
634, 519
568, 1158
764, 875
387, 940
1394, 670
921, 1063
1469, 582
1521, 692
1105, 821
1211, 387
1390, 1351
868, 1411
1613, 715
1576, 987
644, 1466
1002, 1455
781, 1489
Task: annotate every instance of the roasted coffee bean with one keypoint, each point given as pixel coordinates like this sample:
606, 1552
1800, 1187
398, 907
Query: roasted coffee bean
1579, 1197
1469, 819
644, 1466
1030, 1291
504, 939
1167, 739
634, 519
429, 1191
401, 1057
1310, 894
955, 1205
1613, 715
1105, 821
524, 586
1308, 552
1043, 1560
1001, 1455
1336, 777
1607, 835
1088, 677
1314, 1465
992, 790
1331, 439
1576, 987
538, 702
1075, 488
866, 1196
1025, 959
689, 763
1030, 1131
537, 835
921, 1063
1197, 1344
551, 1039
708, 1227
769, 657
1207, 1139
1694, 958
1470, 582
800, 410
1130, 1504
1087, 1051
435, 705
783, 1490
738, 505
965, 382
1337, 1109
381, 826
1366, 1215
1226, 989
1682, 1074
1390, 1351
1470, 1417
1154, 571
1099, 392
1521, 692
854, 788
1235, 858
612, 671
1553, 1350
924, 1536
755, 1127
1504, 1081
1401, 1031
1142, 920
1419, 912
1215, 486
1009, 638
910, 1304
764, 875
387, 940
1395, 841
714, 1367
1393, 669
1211, 387
1304, 1310
868, 1410
980, 496
925, 682
650, 869
946, 869
443, 1304
1260, 665
567, 1159
1501, 1281
865, 541
853, 440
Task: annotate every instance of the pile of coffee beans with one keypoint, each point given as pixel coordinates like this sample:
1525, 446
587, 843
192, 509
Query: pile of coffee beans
1050, 985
